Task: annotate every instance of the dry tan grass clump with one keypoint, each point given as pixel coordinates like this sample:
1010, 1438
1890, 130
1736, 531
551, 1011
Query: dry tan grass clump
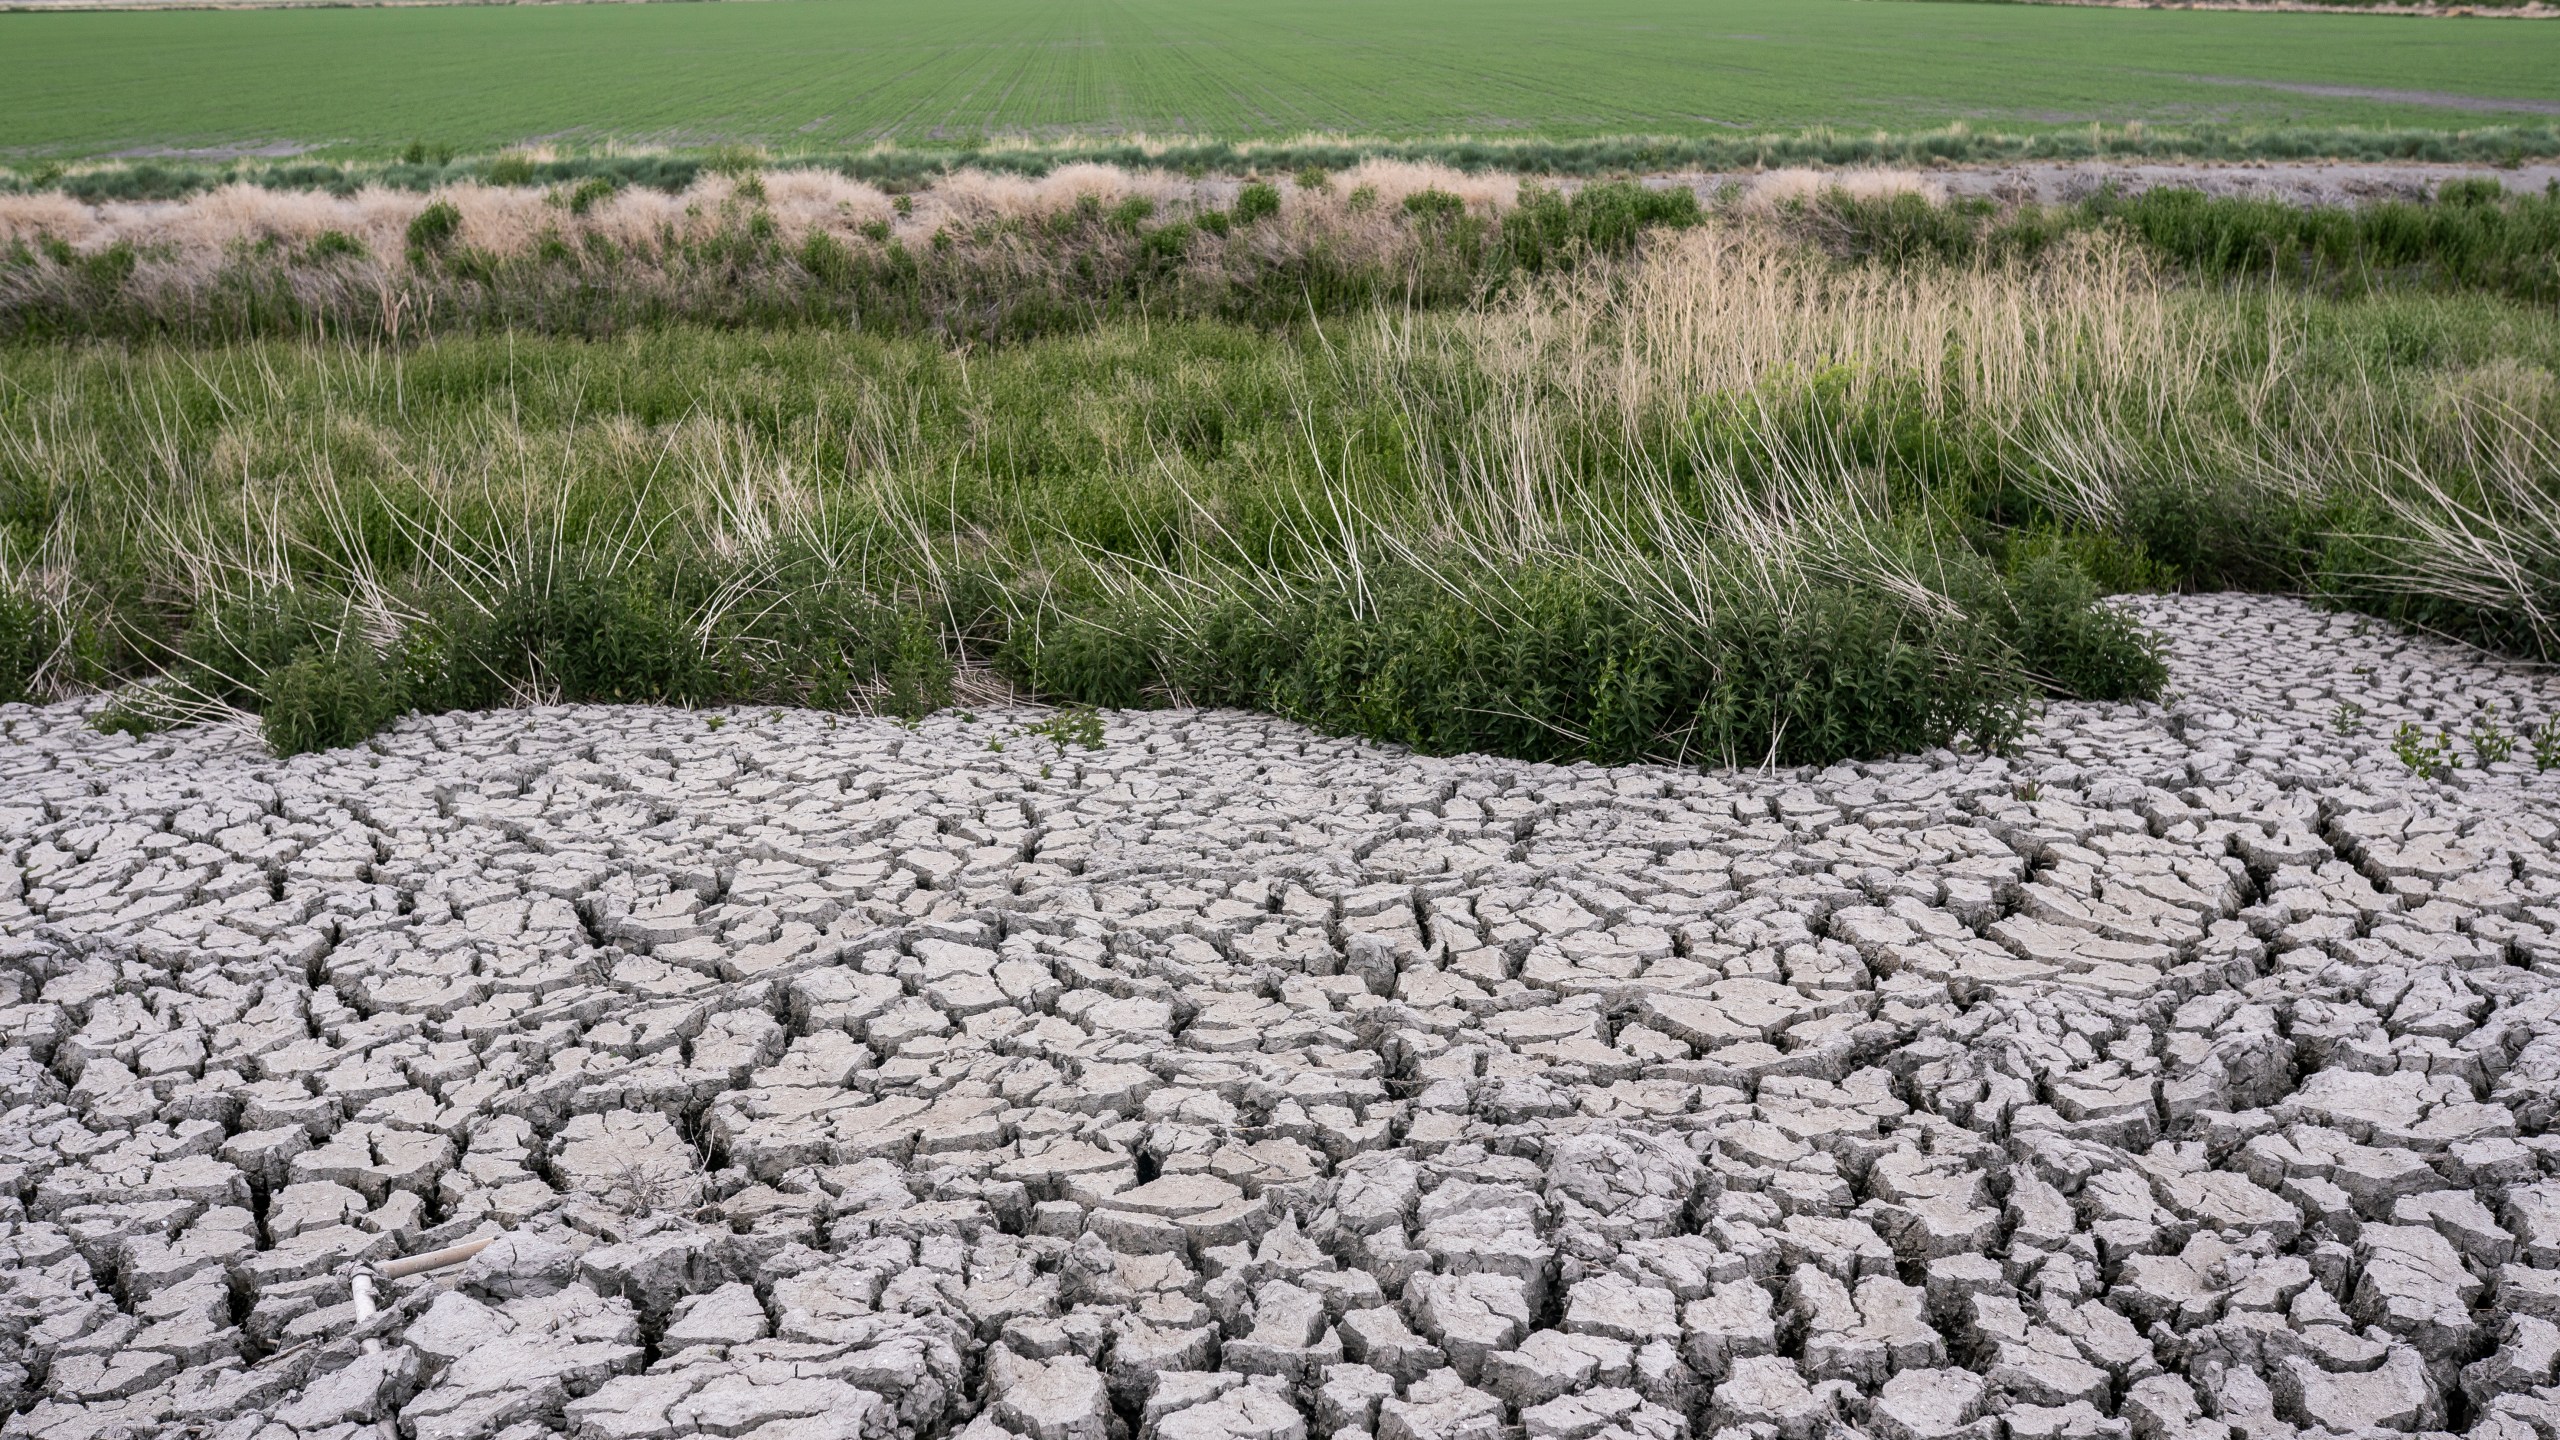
1731, 309
1778, 187
506, 221
26, 219
1395, 181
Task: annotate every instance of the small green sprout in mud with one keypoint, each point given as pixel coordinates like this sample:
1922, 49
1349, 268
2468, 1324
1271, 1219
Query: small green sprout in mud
2422, 753
1076, 725
2489, 744
1072, 727
2545, 739
2348, 719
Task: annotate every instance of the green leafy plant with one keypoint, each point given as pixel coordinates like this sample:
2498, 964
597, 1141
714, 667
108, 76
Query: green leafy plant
2546, 745
432, 231
323, 700
336, 243
30, 637
590, 192
1255, 202
1070, 727
2348, 718
2490, 745
2423, 754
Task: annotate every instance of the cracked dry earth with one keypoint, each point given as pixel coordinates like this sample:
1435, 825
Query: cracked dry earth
2191, 1073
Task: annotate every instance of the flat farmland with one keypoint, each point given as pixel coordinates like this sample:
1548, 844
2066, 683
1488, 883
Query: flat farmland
827, 74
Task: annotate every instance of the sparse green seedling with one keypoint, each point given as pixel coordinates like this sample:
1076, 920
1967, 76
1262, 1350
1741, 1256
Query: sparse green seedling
2546, 745
2348, 718
1074, 726
2424, 754
715, 721
2490, 745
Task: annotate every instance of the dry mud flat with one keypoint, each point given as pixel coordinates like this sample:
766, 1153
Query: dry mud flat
2190, 1074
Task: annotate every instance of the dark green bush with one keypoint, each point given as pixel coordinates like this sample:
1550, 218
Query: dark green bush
328, 699
2077, 648
1255, 202
1434, 205
585, 195
2475, 237
29, 637
234, 643
334, 243
434, 229
1557, 663
1549, 227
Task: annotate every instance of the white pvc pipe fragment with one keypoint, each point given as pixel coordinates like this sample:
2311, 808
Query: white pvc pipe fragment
366, 1305
433, 1259
365, 1309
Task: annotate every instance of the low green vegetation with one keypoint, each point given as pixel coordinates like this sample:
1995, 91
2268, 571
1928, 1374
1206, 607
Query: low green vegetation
2473, 235
1721, 487
834, 76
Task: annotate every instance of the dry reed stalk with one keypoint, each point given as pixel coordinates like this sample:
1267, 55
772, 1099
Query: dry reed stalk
1728, 310
1781, 187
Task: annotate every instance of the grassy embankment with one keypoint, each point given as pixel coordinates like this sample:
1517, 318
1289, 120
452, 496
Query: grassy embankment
1609, 478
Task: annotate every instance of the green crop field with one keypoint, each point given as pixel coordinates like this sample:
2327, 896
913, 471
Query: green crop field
814, 74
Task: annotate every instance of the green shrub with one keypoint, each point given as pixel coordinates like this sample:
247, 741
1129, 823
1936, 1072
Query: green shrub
588, 192
29, 639
434, 228
2077, 648
1256, 202
328, 699
236, 641
1434, 204
329, 244
828, 260
1548, 228
1552, 662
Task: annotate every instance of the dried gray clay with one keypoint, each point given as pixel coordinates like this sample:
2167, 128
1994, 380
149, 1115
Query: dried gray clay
2188, 1073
